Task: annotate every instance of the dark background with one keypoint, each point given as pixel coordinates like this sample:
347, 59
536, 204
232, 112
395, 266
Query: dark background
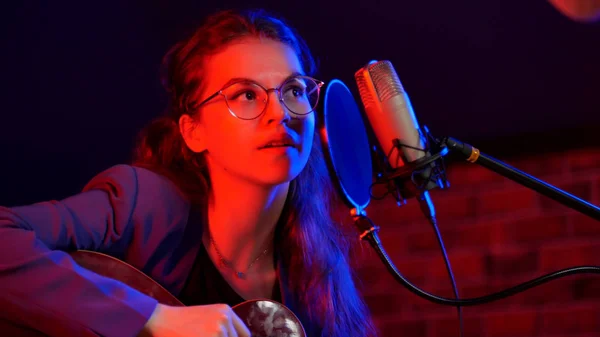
80, 78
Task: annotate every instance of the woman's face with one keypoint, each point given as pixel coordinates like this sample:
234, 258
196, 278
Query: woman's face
236, 146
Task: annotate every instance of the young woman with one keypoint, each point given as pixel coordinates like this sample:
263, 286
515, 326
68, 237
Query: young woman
226, 201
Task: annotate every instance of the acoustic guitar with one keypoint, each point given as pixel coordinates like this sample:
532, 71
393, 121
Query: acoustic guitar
264, 317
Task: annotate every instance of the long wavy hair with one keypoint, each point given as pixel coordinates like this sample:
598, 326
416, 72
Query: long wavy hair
308, 243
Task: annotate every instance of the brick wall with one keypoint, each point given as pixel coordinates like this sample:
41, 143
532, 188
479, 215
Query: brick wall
497, 234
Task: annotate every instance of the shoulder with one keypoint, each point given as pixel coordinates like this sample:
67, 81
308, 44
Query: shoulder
147, 187
162, 244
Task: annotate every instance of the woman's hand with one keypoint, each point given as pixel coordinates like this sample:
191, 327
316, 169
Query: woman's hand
215, 320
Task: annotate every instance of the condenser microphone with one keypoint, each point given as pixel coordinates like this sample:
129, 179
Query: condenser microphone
397, 130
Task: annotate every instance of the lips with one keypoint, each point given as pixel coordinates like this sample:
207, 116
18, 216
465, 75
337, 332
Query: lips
276, 145
280, 140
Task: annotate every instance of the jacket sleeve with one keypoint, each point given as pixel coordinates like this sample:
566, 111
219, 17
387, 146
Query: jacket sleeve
40, 284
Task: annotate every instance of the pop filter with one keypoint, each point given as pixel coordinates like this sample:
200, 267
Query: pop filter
346, 146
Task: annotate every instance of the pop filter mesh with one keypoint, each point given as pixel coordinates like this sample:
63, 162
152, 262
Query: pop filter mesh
347, 145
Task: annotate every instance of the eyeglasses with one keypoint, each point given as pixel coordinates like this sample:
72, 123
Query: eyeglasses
248, 99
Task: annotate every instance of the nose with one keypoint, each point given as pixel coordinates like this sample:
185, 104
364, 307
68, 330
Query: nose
276, 111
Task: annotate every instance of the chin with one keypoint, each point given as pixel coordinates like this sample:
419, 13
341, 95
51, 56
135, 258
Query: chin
277, 174
272, 177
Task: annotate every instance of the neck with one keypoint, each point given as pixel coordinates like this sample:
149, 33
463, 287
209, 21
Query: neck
242, 217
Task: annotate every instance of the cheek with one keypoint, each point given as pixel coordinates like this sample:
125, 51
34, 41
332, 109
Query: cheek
227, 139
308, 132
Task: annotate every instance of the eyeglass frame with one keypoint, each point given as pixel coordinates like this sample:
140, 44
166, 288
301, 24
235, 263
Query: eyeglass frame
267, 90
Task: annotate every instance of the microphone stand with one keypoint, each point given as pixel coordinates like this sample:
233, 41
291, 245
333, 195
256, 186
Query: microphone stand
368, 230
473, 155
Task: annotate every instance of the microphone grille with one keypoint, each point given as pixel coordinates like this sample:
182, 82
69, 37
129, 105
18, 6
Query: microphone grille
365, 93
385, 80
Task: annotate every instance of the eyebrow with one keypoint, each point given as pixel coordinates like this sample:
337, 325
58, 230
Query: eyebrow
245, 79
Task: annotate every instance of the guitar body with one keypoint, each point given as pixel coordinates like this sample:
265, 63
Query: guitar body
116, 269
264, 318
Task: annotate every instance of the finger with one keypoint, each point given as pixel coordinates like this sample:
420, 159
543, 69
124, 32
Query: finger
230, 329
239, 325
226, 331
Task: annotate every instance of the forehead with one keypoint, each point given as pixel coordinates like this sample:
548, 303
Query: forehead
266, 61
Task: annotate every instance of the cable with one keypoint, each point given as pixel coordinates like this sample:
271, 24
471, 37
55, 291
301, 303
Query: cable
369, 232
428, 210
438, 235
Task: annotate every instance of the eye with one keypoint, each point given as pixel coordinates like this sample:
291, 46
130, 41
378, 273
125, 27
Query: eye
246, 99
294, 91
298, 91
245, 95
243, 92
